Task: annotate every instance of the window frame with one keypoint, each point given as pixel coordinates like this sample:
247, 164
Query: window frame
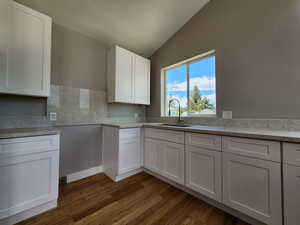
164, 103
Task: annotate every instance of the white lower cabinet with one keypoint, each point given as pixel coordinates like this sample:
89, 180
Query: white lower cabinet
165, 158
121, 152
253, 187
203, 171
29, 176
291, 185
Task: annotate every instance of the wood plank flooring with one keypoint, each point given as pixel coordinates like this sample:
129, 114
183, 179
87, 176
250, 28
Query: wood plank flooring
140, 199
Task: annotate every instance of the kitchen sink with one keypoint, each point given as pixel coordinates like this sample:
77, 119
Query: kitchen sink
176, 125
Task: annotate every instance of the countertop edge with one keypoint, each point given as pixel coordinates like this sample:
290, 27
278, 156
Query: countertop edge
34, 132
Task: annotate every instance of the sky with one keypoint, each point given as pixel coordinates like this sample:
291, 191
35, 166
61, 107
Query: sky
202, 74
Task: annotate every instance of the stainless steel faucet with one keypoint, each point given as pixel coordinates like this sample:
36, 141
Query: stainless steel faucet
179, 109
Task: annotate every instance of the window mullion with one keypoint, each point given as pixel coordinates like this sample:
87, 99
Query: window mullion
188, 88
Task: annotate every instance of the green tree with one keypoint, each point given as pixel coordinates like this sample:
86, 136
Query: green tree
197, 102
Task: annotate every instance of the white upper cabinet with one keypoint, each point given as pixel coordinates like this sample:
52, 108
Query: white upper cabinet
29, 53
128, 77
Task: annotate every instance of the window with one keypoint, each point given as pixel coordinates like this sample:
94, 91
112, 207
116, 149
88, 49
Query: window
193, 83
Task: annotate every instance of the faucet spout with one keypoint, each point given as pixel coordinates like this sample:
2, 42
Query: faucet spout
180, 120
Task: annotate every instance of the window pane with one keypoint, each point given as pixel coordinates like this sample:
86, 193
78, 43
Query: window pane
176, 88
203, 87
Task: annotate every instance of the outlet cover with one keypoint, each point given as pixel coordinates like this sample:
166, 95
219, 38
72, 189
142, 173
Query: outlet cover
52, 116
227, 115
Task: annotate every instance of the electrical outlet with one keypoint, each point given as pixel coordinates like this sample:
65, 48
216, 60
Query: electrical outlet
52, 116
136, 115
227, 115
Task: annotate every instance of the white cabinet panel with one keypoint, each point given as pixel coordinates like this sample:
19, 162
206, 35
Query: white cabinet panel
203, 171
28, 71
291, 182
253, 187
173, 161
165, 158
124, 78
153, 155
141, 80
129, 155
4, 40
268, 150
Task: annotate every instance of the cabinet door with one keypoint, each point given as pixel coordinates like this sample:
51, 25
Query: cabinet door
253, 186
124, 75
129, 155
291, 177
29, 52
173, 161
28, 181
4, 36
203, 171
153, 155
141, 80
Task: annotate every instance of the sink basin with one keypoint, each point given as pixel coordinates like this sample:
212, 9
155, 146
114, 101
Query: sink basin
176, 125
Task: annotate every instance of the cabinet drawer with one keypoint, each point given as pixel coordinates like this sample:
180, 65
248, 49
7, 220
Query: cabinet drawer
268, 150
291, 153
129, 133
28, 145
203, 140
165, 135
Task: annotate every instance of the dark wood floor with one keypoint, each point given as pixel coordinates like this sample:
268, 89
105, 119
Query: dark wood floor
141, 199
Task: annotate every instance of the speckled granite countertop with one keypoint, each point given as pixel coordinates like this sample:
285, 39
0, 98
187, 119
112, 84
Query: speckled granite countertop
28, 132
274, 135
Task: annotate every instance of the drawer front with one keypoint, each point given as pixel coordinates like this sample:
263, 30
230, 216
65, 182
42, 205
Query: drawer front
129, 133
28, 145
291, 154
268, 150
203, 140
165, 135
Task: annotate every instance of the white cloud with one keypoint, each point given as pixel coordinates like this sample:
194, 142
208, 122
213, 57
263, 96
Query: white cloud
204, 84
212, 98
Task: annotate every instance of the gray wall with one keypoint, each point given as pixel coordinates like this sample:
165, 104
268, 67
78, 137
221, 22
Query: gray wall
80, 148
77, 61
258, 50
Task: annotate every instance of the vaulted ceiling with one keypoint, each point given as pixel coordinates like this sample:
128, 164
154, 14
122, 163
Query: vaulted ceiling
139, 25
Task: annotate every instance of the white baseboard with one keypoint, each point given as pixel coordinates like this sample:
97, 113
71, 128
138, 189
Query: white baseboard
84, 173
29, 213
129, 174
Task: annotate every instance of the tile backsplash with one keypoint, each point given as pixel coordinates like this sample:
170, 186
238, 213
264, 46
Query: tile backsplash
76, 106
269, 124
